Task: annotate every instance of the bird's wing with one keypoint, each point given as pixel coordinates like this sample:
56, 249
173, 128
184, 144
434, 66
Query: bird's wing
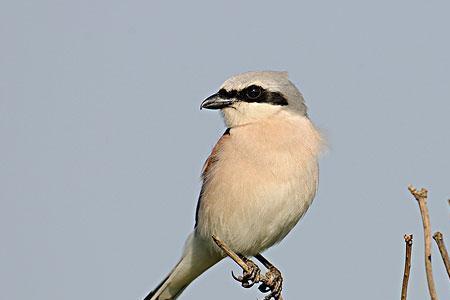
210, 161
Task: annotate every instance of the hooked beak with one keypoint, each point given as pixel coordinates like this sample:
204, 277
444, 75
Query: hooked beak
216, 102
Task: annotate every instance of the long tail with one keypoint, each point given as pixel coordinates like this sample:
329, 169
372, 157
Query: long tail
196, 259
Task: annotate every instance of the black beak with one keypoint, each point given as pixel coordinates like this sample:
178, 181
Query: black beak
216, 102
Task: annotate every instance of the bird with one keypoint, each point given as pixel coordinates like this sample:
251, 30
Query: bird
257, 183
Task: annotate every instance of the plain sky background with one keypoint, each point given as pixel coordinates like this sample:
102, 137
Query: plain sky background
102, 140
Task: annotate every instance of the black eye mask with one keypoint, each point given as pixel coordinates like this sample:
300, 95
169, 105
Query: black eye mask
254, 93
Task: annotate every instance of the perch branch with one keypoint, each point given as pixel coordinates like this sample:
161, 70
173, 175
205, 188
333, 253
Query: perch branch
264, 261
408, 243
421, 197
438, 237
231, 254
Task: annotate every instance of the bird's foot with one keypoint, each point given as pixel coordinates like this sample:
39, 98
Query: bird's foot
250, 277
272, 282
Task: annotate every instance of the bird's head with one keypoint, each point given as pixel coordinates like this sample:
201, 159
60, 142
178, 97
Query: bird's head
253, 96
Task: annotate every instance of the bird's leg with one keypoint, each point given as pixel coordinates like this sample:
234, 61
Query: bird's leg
271, 281
249, 277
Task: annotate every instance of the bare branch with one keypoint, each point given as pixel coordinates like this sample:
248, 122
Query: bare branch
408, 243
438, 237
421, 197
231, 254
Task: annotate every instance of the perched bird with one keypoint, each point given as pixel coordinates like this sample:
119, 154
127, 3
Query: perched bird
259, 180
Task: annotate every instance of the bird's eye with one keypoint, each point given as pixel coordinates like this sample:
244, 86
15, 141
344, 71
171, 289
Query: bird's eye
253, 92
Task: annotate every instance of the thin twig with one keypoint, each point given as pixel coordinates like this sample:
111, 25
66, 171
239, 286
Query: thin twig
408, 243
231, 254
438, 237
421, 197
264, 261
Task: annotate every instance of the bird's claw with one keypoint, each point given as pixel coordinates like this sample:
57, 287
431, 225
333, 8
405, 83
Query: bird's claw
249, 278
272, 281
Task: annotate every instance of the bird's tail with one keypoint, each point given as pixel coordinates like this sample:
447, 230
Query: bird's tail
196, 259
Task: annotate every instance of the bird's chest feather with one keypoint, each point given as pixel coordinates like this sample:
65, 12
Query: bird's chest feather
257, 185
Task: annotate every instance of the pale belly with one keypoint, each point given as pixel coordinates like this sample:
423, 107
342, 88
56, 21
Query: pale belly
256, 208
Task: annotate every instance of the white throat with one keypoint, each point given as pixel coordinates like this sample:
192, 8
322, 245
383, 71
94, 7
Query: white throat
242, 113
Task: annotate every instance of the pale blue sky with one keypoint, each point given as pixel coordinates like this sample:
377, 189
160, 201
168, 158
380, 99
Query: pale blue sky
102, 140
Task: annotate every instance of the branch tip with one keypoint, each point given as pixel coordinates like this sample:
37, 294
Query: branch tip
408, 238
421, 194
408, 246
439, 238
